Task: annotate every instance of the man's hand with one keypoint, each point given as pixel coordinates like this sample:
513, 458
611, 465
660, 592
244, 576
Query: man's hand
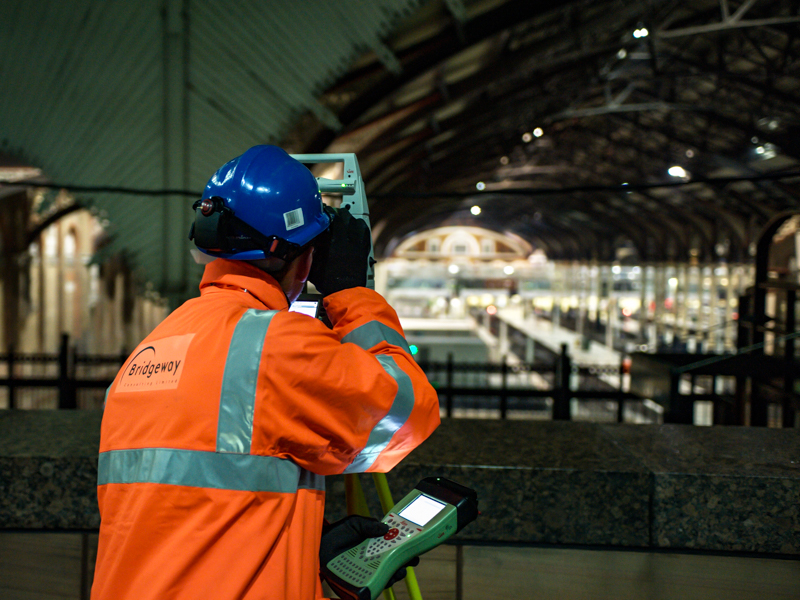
350, 532
347, 533
341, 253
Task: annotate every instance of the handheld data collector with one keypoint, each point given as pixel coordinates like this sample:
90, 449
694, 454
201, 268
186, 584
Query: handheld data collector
432, 512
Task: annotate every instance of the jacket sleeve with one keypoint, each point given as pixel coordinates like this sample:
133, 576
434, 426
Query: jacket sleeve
346, 400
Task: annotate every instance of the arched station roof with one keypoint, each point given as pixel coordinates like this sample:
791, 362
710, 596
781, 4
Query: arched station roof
551, 106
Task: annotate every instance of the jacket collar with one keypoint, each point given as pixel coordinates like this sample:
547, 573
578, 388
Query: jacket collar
242, 276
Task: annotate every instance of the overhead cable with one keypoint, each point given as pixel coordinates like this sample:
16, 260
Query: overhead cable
544, 191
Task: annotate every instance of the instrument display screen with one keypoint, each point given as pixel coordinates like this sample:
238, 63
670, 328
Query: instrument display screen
307, 307
422, 510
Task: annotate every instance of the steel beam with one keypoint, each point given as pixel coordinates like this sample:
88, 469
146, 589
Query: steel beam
175, 210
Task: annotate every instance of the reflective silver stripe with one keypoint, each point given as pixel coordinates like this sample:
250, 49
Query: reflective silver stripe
193, 468
311, 481
238, 396
397, 416
373, 333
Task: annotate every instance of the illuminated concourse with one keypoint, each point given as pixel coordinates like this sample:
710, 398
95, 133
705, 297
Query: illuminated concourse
585, 213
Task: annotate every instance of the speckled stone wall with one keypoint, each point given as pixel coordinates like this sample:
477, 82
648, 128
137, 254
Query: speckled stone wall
720, 488
646, 486
48, 469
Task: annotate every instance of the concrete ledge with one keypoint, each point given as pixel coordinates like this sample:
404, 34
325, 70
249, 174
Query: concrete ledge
647, 486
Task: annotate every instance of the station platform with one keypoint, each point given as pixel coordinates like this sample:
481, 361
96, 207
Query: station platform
552, 337
597, 359
541, 331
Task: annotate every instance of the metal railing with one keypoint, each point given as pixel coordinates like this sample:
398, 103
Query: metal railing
63, 380
555, 390
559, 390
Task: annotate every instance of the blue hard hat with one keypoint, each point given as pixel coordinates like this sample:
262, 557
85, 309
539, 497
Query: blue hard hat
267, 192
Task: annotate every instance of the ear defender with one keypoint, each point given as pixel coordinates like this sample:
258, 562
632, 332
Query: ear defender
217, 230
211, 229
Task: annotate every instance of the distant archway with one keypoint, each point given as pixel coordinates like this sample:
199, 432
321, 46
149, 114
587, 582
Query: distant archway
464, 242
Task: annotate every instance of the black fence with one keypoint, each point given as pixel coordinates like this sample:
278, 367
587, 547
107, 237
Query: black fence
64, 380
558, 389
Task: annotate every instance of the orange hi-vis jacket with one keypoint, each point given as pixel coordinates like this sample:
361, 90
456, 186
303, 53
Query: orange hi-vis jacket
219, 429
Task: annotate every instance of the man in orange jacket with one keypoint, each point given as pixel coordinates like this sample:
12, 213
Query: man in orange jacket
219, 429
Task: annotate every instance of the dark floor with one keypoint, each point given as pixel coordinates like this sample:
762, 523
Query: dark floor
42, 566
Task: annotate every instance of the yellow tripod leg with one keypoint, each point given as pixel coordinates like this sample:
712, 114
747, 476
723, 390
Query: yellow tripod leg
354, 493
357, 505
385, 496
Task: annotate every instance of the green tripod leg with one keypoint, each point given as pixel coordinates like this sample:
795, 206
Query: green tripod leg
385, 496
357, 505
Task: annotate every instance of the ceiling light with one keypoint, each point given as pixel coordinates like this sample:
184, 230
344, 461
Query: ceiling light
689, 153
508, 270
622, 53
538, 132
503, 160
526, 137
766, 151
11, 174
641, 32
480, 185
677, 171
453, 269
475, 210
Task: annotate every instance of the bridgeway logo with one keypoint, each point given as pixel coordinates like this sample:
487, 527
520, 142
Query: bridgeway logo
156, 365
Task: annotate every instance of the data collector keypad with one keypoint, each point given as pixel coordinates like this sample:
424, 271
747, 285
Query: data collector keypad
358, 564
399, 531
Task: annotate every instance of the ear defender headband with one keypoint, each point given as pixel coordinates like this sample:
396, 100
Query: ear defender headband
216, 229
